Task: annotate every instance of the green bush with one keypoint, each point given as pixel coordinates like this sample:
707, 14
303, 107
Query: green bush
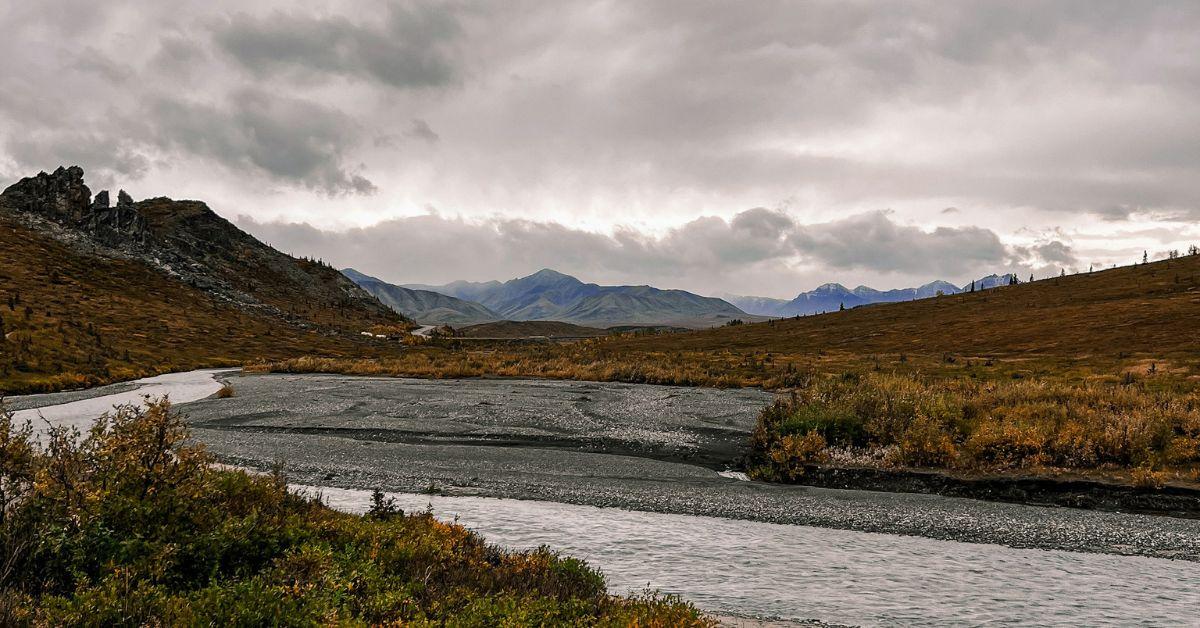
131, 525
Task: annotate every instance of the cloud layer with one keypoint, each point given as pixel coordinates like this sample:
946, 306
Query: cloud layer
1056, 131
758, 251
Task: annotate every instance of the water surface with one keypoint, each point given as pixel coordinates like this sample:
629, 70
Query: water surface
792, 572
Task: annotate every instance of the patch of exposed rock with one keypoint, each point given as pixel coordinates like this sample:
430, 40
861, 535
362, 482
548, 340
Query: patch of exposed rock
64, 198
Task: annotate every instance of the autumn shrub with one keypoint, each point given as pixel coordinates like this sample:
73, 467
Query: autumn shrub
130, 524
914, 421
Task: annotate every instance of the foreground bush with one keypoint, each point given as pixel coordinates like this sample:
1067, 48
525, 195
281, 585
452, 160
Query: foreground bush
911, 421
131, 525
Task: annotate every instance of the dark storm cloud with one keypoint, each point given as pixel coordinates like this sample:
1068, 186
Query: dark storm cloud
874, 241
110, 162
406, 49
92, 60
1056, 253
420, 130
178, 56
287, 138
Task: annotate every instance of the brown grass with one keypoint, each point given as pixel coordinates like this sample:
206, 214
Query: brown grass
1147, 310
225, 392
1137, 432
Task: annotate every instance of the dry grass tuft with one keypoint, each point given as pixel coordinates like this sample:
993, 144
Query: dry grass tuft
1142, 434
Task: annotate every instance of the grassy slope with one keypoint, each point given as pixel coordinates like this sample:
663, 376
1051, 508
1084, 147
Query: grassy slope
83, 320
1150, 310
525, 329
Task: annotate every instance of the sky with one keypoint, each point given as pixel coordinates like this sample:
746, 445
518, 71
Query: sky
750, 147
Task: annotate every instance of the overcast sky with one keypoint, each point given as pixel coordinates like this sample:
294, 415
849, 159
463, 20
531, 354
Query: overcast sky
743, 147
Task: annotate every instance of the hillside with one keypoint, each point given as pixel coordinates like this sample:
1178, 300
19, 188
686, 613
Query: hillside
530, 329
550, 295
424, 306
93, 293
1149, 310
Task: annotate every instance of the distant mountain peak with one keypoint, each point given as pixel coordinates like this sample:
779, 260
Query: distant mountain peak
549, 273
831, 287
547, 276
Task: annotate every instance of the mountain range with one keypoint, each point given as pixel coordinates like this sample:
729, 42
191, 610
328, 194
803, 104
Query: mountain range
831, 297
424, 306
548, 295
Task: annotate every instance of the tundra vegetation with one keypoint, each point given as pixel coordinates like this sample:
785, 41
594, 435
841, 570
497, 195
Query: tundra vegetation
1126, 429
131, 524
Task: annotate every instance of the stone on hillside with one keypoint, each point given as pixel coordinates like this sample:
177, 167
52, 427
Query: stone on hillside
64, 198
61, 195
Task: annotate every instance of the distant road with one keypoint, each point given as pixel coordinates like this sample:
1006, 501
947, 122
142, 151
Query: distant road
424, 331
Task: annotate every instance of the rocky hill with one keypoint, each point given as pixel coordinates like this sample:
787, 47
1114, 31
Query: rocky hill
93, 291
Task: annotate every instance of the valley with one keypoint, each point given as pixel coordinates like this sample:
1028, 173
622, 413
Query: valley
599, 313
962, 415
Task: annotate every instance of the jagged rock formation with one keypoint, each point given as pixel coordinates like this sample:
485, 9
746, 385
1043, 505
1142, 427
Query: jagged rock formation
63, 198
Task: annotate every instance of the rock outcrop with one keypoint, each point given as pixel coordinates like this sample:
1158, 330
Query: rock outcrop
63, 197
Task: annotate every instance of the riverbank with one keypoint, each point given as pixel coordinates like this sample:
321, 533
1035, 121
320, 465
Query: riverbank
476, 440
1125, 445
543, 411
767, 575
1035, 490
